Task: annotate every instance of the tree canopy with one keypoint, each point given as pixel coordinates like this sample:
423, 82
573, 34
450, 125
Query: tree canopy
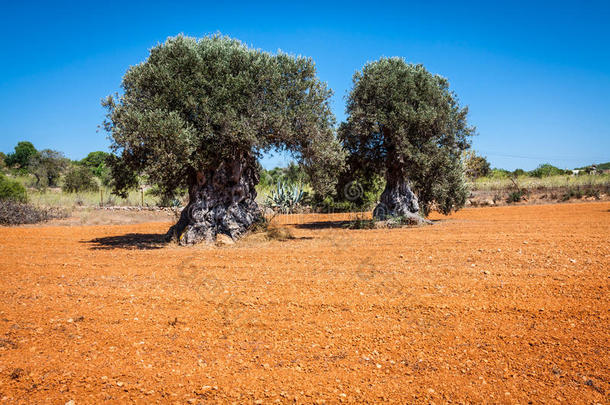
98, 162
475, 166
47, 166
546, 170
78, 179
404, 122
95, 159
22, 155
195, 103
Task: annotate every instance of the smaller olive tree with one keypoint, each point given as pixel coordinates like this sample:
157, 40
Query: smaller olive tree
12, 190
405, 123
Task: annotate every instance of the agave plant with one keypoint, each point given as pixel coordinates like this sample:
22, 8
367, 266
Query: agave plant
285, 197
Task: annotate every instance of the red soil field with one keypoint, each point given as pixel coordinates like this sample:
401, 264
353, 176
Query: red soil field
502, 305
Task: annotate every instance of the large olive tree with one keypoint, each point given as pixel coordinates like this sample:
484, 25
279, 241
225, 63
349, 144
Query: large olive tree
198, 113
405, 123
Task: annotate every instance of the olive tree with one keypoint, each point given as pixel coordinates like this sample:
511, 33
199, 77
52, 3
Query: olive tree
198, 113
405, 123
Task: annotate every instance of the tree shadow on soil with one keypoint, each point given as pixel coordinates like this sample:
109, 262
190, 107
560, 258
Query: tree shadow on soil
349, 224
142, 241
324, 225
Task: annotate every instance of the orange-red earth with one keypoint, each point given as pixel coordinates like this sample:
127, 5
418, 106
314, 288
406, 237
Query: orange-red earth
503, 305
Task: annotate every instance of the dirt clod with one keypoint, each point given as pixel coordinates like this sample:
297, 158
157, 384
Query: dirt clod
17, 374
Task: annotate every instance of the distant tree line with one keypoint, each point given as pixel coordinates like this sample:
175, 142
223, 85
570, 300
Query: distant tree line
477, 167
50, 168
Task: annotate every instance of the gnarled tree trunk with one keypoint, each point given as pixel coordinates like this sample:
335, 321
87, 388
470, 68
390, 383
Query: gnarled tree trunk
221, 201
398, 200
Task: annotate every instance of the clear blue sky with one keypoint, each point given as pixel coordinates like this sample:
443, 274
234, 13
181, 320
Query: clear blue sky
535, 75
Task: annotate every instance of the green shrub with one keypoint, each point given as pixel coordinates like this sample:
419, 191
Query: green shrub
292, 174
21, 157
164, 199
499, 174
372, 188
79, 178
357, 190
475, 166
592, 192
266, 179
514, 196
572, 193
546, 170
11, 190
96, 162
